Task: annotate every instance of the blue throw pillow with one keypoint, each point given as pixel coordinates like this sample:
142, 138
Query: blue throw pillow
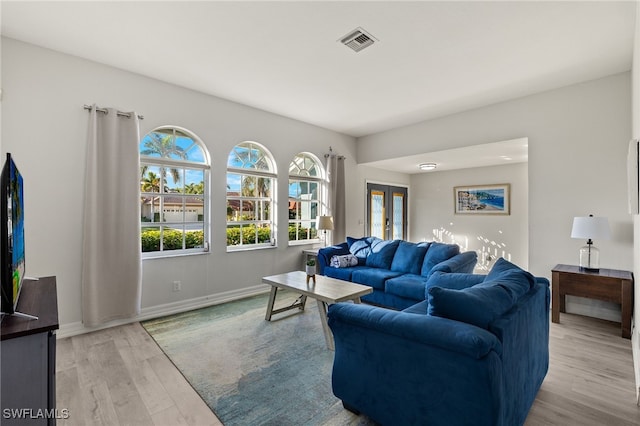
438, 252
480, 304
503, 266
359, 247
382, 252
474, 305
453, 281
515, 283
408, 257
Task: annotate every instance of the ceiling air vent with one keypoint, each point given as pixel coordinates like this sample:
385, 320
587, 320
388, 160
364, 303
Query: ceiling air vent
358, 39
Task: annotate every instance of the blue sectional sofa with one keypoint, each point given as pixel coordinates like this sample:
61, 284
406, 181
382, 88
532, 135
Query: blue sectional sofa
397, 270
474, 353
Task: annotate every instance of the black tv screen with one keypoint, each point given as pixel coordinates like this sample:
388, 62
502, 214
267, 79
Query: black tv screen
11, 235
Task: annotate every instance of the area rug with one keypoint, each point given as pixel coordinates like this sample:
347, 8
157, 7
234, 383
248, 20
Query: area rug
254, 372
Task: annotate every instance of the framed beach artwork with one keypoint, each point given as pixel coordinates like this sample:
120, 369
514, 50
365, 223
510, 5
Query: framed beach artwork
482, 199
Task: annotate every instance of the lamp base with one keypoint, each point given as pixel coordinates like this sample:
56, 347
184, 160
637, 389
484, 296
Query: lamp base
589, 258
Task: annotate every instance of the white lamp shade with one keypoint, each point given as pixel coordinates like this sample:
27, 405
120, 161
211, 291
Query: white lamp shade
325, 223
591, 227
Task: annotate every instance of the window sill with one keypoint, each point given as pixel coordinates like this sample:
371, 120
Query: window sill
165, 255
304, 242
251, 248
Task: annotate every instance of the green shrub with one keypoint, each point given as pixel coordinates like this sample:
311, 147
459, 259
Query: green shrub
172, 239
302, 232
150, 240
248, 235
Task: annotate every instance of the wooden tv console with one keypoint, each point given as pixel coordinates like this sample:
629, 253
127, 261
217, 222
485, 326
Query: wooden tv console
28, 353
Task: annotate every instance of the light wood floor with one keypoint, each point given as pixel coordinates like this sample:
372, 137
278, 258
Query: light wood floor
119, 376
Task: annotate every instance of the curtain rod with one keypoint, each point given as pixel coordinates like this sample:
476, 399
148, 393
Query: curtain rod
104, 110
340, 157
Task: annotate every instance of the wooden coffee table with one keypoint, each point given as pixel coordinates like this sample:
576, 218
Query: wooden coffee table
325, 290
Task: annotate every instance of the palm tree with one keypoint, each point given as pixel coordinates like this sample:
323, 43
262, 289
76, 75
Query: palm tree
151, 183
254, 186
165, 147
194, 188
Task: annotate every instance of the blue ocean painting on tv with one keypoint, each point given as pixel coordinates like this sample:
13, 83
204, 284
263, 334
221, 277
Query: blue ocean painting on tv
17, 229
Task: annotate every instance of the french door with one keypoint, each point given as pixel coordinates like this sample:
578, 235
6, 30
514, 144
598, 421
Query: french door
387, 211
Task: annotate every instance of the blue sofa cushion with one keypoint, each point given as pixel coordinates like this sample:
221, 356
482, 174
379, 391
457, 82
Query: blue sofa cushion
502, 266
453, 280
436, 253
382, 252
373, 277
420, 308
342, 273
481, 304
411, 286
409, 257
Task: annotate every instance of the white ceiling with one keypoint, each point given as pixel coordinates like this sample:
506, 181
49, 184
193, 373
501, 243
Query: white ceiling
432, 58
488, 154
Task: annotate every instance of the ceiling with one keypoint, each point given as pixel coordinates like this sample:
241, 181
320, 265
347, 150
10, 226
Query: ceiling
488, 154
431, 58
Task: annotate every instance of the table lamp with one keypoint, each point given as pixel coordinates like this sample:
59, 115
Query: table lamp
325, 223
590, 227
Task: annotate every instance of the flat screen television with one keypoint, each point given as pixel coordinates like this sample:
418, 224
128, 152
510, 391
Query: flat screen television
11, 235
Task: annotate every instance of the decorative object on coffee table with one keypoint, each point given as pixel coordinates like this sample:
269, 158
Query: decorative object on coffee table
590, 227
311, 270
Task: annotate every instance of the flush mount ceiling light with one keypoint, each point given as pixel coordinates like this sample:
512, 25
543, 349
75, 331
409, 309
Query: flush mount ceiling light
358, 39
427, 166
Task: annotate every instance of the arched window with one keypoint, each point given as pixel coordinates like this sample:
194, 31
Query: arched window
251, 178
174, 185
306, 176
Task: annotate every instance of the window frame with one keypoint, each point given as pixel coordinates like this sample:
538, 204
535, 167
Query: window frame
184, 166
253, 172
320, 198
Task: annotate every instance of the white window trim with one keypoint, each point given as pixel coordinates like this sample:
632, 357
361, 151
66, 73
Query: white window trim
273, 200
322, 199
183, 164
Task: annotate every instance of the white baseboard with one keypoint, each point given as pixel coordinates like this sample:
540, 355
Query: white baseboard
76, 328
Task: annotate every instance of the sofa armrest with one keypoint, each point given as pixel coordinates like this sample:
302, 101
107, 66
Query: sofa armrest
407, 368
462, 263
326, 253
433, 331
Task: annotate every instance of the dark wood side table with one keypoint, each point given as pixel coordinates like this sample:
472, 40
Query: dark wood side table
610, 285
28, 352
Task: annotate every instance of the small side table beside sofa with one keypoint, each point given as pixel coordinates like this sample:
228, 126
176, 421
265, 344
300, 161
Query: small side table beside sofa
610, 285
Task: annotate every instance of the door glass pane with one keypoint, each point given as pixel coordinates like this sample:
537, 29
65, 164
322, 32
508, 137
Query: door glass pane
398, 216
377, 214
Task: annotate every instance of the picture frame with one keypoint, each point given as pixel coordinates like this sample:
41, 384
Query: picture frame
492, 199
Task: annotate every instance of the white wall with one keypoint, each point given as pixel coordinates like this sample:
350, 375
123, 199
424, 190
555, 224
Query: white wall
635, 334
433, 215
45, 128
578, 138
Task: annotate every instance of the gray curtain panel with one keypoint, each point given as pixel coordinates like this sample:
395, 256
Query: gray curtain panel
111, 266
335, 172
